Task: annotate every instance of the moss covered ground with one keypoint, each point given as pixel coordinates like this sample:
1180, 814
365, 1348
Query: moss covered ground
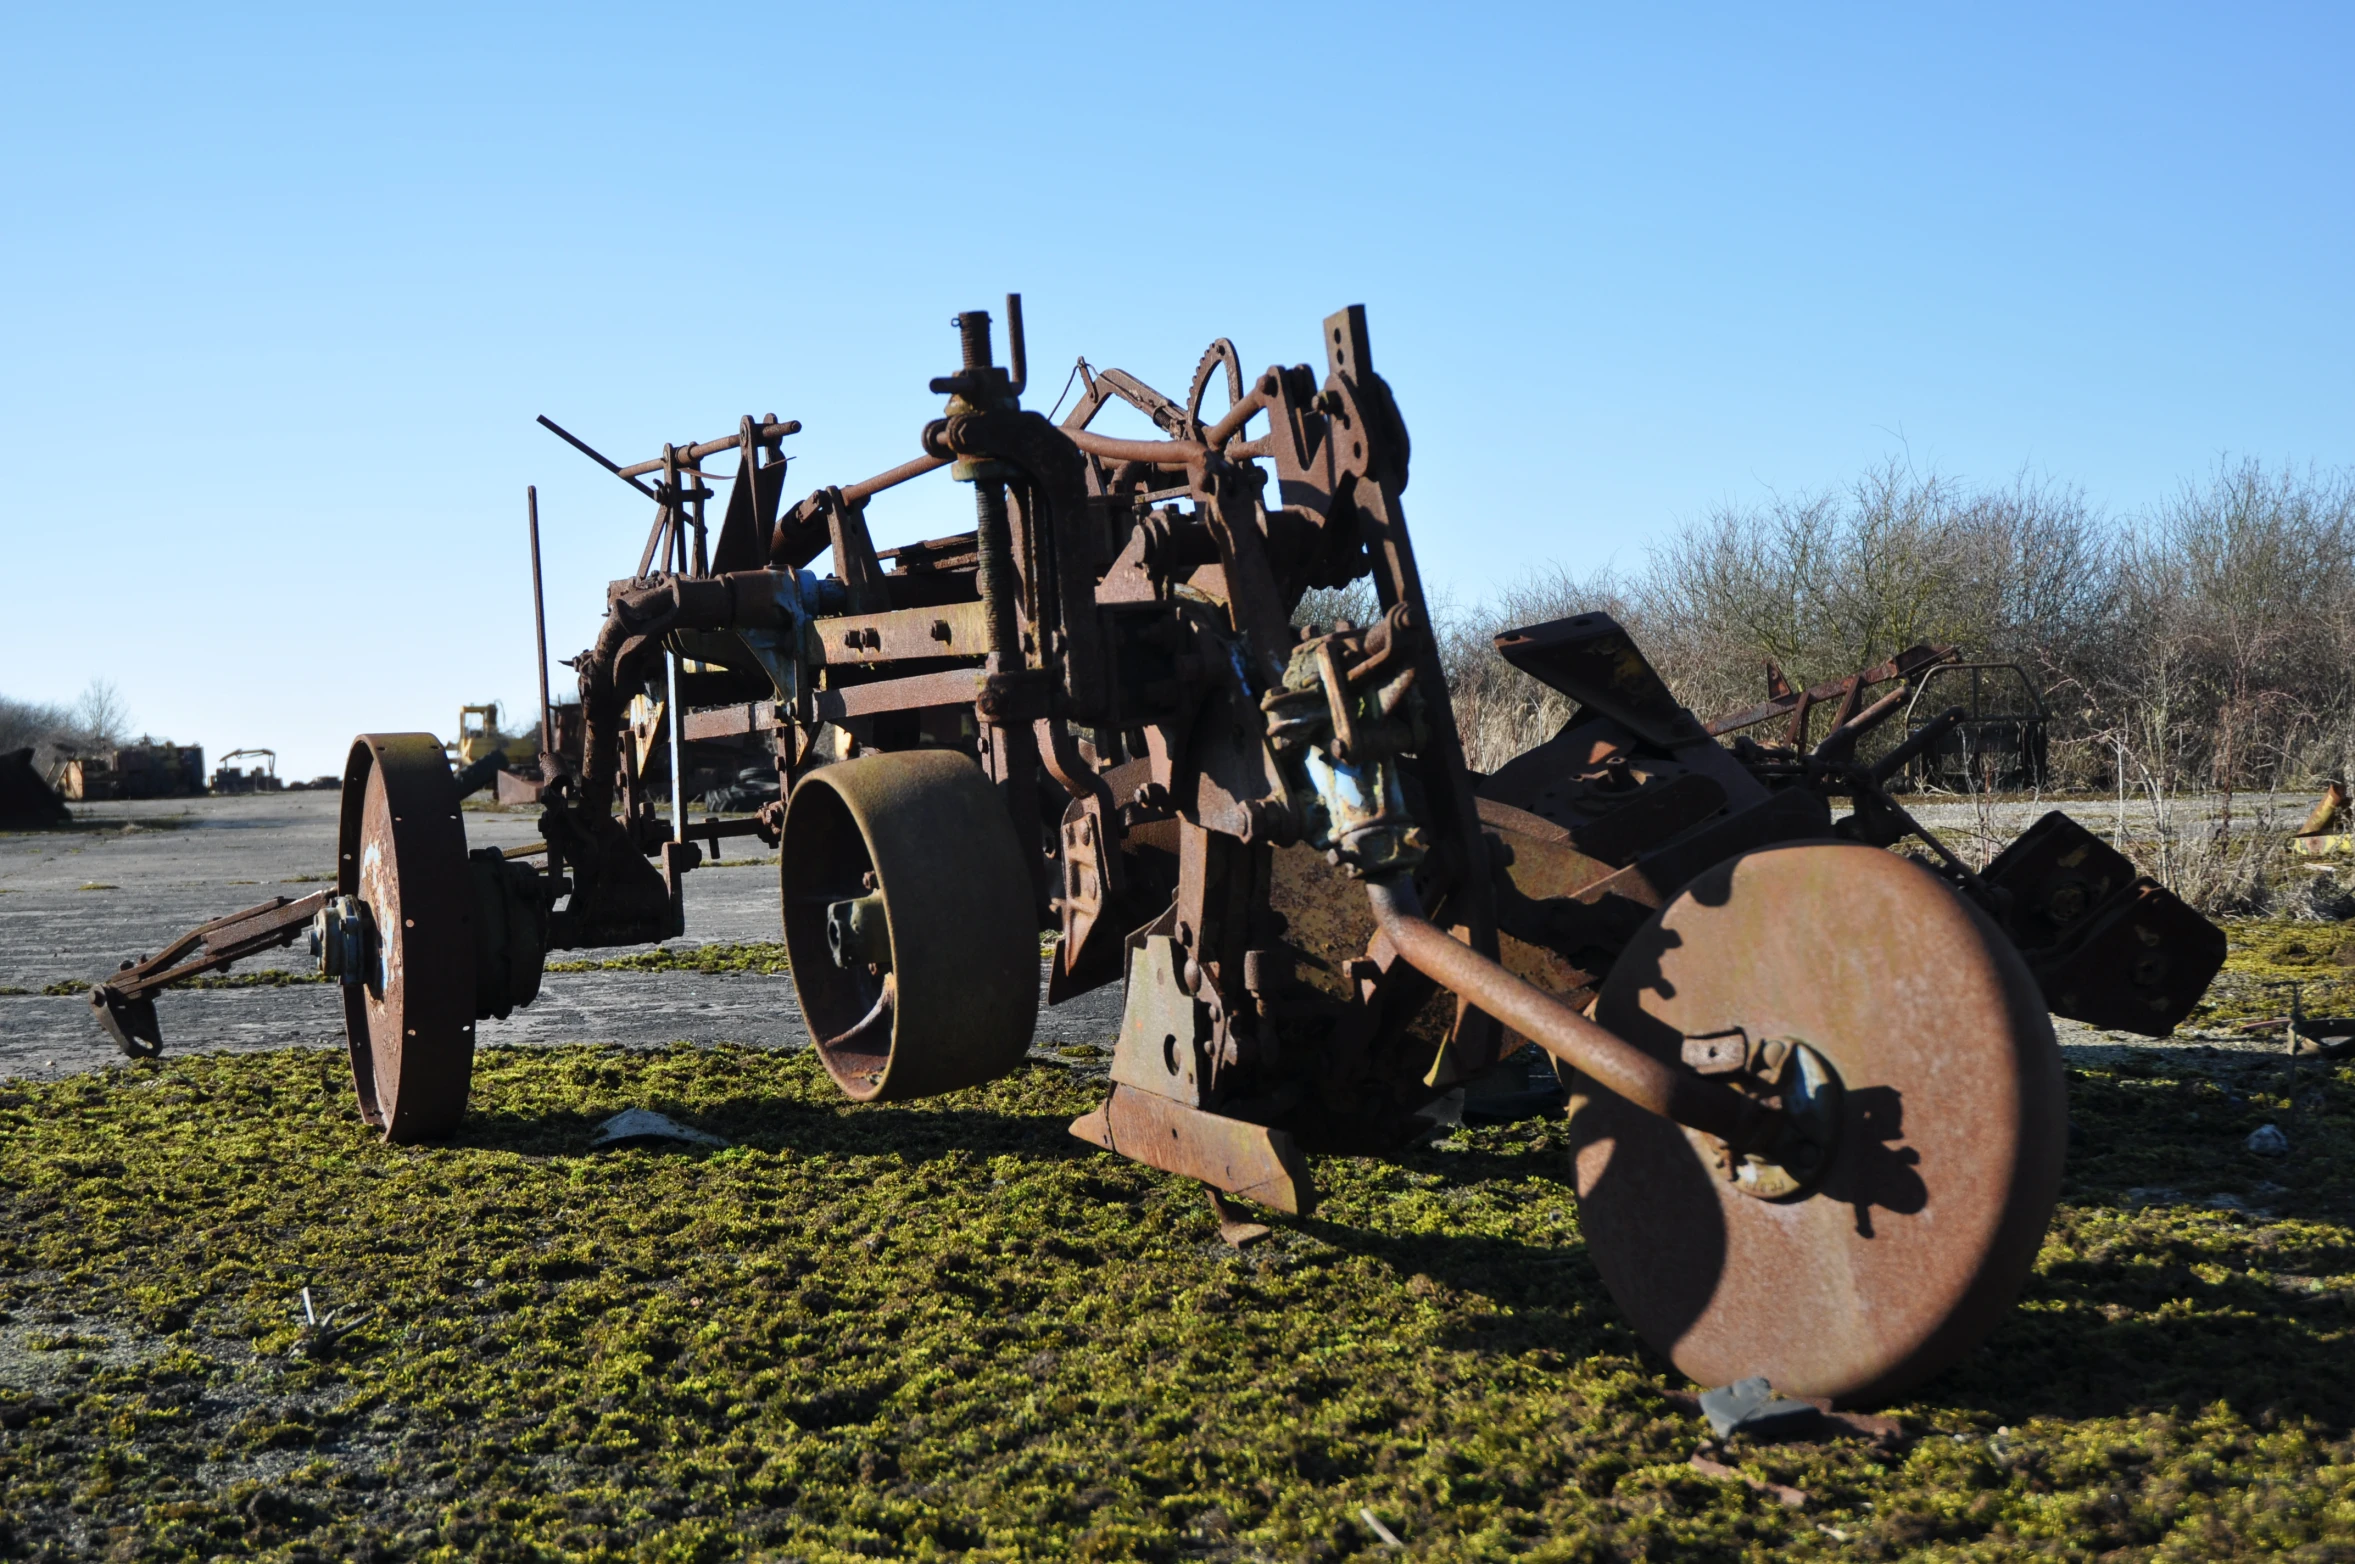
2266, 954
766, 956
948, 1329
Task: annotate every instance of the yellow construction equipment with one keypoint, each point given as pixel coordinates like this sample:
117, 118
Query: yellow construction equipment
480, 735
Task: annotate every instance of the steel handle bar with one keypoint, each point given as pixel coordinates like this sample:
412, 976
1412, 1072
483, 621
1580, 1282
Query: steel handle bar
766, 434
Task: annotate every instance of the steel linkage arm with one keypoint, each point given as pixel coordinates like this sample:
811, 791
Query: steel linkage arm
1594, 1051
125, 1003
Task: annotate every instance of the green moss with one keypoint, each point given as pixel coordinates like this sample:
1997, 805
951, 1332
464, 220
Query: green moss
949, 1328
753, 956
274, 977
2266, 952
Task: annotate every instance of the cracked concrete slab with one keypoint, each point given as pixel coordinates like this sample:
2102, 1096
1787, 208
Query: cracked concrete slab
194, 859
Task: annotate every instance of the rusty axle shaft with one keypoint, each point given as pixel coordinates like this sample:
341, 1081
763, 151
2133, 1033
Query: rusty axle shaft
1594, 1051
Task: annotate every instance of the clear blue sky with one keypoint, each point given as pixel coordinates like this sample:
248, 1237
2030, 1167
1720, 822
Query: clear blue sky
281, 290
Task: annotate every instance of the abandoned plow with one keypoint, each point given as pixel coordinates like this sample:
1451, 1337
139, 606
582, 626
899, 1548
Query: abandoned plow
1816, 1106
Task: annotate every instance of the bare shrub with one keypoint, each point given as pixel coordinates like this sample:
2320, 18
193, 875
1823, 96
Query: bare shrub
96, 721
2200, 649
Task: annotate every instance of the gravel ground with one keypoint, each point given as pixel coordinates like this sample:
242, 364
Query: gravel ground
2006, 815
129, 877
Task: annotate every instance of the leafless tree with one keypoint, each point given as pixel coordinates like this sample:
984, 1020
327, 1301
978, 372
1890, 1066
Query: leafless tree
101, 719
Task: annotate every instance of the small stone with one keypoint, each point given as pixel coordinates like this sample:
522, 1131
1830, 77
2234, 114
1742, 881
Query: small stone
641, 1124
1750, 1406
2266, 1140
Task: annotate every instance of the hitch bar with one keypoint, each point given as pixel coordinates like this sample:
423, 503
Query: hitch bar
125, 1003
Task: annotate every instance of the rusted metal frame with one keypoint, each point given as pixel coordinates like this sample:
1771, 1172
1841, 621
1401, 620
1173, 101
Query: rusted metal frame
1905, 665
855, 563
898, 634
1092, 397
1099, 822
1062, 556
1158, 453
696, 502
1841, 742
1178, 453
1796, 734
1216, 876
1595, 1052
994, 579
1008, 747
665, 508
1026, 544
1220, 435
713, 831
1367, 477
548, 756
1850, 689
955, 687
1254, 596
728, 722
750, 517
787, 542
1219, 352
858, 493
1851, 696
638, 621
1188, 439
768, 432
1166, 415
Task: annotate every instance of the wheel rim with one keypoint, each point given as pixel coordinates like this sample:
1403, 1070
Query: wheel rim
1912, 1244
955, 999
401, 851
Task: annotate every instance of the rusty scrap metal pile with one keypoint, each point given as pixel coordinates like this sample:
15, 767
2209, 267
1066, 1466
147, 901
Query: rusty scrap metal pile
1817, 1110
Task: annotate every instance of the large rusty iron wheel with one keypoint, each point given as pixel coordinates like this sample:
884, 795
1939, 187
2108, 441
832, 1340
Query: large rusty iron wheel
1901, 1251
909, 924
401, 852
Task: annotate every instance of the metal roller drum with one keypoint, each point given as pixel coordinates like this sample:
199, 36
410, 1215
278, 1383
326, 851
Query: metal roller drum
909, 924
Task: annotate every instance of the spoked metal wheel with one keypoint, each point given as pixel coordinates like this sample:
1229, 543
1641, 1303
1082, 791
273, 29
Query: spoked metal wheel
1841, 981
909, 924
401, 855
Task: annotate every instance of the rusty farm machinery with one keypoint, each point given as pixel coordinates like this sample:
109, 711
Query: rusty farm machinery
1816, 1105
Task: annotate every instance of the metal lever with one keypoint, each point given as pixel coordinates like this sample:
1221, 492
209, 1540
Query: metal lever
1014, 344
